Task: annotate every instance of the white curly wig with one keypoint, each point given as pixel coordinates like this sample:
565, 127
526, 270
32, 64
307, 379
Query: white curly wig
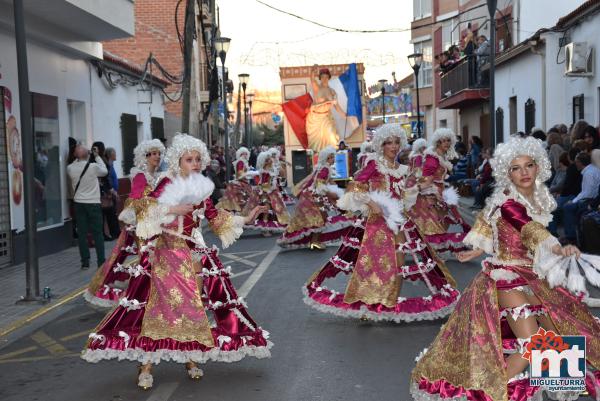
242, 150
442, 133
388, 131
262, 158
142, 149
366, 147
184, 143
504, 155
419, 144
324, 154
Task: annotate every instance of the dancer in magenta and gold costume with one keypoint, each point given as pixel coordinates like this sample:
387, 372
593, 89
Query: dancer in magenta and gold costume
279, 171
110, 281
317, 222
238, 191
163, 314
388, 251
276, 218
477, 355
430, 205
366, 148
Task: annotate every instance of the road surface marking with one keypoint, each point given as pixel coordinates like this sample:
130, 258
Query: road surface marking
241, 273
240, 260
258, 272
48, 342
39, 358
40, 312
163, 392
84, 333
18, 352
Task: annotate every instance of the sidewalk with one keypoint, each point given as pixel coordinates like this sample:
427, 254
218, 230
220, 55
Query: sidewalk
60, 271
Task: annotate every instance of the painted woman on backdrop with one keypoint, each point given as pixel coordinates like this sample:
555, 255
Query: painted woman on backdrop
478, 353
238, 191
276, 217
320, 125
432, 206
317, 222
163, 315
110, 281
390, 251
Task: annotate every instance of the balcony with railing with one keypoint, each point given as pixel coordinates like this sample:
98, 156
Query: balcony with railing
465, 84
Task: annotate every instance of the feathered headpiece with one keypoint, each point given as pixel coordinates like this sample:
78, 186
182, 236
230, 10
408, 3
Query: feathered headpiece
241, 151
440, 134
261, 159
387, 131
324, 154
184, 143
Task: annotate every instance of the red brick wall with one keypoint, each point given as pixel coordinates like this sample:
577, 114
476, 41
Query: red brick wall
154, 32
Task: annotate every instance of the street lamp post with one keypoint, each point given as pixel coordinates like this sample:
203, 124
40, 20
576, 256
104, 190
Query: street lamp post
382, 82
250, 100
492, 4
222, 46
244, 78
415, 61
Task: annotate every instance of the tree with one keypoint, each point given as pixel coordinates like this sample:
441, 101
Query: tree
271, 136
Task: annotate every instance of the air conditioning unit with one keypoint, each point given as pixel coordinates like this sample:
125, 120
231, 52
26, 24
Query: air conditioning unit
579, 59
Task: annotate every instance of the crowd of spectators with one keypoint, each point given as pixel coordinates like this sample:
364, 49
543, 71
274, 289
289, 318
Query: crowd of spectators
574, 155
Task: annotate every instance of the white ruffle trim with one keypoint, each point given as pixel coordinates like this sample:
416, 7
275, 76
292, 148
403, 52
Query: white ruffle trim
478, 241
127, 216
522, 312
450, 196
288, 240
504, 275
421, 395
381, 316
354, 202
214, 354
156, 216
228, 237
100, 302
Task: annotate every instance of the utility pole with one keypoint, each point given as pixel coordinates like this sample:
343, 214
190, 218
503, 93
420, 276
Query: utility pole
32, 285
188, 38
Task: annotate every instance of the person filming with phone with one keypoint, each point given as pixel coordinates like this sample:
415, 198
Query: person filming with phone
84, 173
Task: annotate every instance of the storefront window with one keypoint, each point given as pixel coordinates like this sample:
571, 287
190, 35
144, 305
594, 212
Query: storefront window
48, 199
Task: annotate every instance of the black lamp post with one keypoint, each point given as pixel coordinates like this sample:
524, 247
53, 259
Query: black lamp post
244, 78
250, 97
222, 46
382, 82
415, 61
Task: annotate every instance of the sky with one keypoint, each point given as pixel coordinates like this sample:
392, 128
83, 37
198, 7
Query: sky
262, 39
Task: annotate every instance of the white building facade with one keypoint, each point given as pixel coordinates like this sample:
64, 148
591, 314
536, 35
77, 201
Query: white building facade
69, 99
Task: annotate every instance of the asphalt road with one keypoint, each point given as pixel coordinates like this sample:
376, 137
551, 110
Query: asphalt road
316, 357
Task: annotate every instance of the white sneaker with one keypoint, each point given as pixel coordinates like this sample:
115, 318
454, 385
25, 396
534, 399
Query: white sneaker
195, 373
145, 380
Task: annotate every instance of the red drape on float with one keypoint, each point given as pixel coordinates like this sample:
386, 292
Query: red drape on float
295, 111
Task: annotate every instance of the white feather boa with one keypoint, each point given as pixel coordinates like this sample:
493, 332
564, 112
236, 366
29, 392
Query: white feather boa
392, 209
189, 190
334, 189
450, 196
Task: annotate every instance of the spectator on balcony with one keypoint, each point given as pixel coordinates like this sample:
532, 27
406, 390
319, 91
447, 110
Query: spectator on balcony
469, 43
589, 190
444, 64
454, 53
483, 56
555, 149
590, 136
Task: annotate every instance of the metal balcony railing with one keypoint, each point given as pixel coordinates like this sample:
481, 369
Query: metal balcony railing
466, 74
